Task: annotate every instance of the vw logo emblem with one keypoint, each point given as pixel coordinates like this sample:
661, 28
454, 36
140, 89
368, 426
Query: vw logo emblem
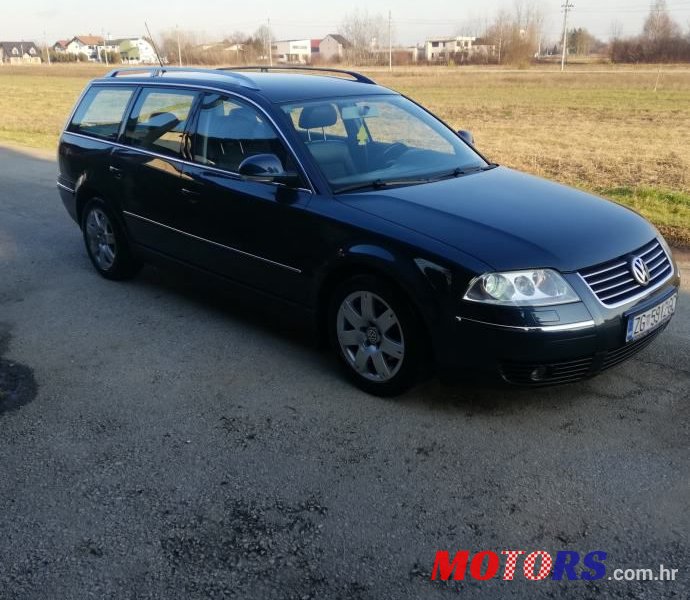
639, 270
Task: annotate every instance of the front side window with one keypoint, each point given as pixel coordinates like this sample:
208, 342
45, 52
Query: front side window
375, 140
228, 131
158, 120
101, 111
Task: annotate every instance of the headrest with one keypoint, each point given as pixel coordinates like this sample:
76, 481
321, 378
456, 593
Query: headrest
317, 116
242, 124
162, 119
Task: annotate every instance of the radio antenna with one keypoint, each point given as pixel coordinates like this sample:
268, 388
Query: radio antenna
158, 56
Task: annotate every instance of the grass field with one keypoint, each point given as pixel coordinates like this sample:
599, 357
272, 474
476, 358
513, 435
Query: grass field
602, 129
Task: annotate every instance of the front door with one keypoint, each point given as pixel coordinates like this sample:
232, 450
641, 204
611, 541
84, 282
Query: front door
257, 233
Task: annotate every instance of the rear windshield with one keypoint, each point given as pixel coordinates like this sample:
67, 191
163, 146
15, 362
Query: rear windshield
101, 111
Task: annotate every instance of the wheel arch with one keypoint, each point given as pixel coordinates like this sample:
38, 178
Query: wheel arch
396, 272
82, 194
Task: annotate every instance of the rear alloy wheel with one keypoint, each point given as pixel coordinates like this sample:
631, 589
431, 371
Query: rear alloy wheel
375, 336
106, 243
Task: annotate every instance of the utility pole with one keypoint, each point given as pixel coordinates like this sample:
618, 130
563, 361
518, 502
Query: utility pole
179, 50
390, 44
45, 43
270, 43
566, 7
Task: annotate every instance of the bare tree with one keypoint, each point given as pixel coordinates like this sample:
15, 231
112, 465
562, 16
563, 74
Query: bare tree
517, 36
661, 40
365, 34
264, 36
659, 25
188, 43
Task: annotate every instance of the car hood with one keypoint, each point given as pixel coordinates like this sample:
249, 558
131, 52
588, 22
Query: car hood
511, 220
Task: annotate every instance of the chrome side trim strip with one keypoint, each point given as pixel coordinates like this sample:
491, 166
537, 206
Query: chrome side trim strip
64, 187
196, 237
544, 328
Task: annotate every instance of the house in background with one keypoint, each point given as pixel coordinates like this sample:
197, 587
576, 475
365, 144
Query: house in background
135, 50
60, 46
443, 49
16, 53
484, 48
315, 48
333, 47
292, 51
86, 46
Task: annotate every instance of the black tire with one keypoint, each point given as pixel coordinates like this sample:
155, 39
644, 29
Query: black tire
371, 339
106, 242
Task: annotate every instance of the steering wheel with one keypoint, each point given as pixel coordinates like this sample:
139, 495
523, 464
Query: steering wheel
393, 152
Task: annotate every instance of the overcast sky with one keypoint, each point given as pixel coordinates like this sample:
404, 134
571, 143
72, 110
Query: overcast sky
413, 20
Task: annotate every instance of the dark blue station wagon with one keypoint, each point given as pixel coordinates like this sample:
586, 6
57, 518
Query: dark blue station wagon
404, 245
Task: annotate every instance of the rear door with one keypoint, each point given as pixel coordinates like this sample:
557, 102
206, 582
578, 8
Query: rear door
148, 167
86, 144
257, 233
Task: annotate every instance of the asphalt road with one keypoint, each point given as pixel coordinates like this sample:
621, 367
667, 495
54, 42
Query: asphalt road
158, 440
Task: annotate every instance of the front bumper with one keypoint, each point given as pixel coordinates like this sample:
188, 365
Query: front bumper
525, 348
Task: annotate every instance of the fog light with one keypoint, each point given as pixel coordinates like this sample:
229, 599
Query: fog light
538, 374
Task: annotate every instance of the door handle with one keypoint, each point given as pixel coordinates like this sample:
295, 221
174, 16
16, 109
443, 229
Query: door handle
117, 173
191, 195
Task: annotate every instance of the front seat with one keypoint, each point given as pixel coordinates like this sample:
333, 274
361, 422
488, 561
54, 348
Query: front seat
333, 156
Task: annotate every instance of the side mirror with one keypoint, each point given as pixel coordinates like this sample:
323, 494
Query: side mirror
266, 167
467, 136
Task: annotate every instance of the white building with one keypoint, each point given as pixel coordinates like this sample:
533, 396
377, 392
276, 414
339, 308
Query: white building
333, 47
292, 51
136, 50
85, 45
443, 49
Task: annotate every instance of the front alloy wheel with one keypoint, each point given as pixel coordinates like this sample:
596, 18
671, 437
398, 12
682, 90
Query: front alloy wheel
375, 333
370, 336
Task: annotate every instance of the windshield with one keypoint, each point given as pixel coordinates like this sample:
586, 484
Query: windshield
376, 141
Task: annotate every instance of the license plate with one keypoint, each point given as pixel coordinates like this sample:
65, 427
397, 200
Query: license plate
643, 323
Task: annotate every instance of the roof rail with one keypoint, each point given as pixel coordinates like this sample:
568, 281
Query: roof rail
160, 71
152, 71
265, 69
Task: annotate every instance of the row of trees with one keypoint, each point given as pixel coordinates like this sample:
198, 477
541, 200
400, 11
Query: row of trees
518, 37
235, 48
661, 40
512, 37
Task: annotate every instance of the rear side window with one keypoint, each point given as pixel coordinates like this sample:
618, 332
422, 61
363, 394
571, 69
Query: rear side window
101, 111
158, 120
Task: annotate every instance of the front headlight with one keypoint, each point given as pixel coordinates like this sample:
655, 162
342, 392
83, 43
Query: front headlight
537, 287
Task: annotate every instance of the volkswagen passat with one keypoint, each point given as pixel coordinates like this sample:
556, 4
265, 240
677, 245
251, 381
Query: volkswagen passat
395, 235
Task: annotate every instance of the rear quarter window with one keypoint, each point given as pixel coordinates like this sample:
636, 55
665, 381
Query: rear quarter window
101, 111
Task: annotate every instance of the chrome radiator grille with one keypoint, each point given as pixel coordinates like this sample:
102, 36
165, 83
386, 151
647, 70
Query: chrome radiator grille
613, 283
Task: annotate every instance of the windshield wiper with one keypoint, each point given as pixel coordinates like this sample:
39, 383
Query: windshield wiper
460, 171
378, 184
